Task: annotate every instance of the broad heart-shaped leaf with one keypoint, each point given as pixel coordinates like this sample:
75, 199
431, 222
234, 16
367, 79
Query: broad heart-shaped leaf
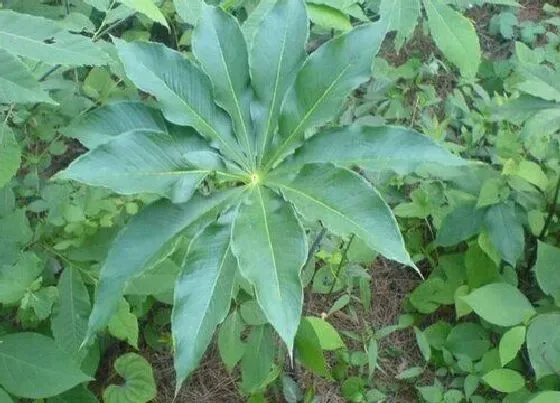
70, 314
346, 204
185, 95
103, 124
16, 82
374, 149
147, 162
500, 304
33, 367
46, 41
271, 248
455, 35
148, 8
202, 297
401, 16
10, 155
276, 54
547, 269
543, 344
145, 235
323, 83
219, 46
506, 232
139, 385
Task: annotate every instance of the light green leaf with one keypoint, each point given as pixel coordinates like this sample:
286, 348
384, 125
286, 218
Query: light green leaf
15, 234
185, 96
462, 223
124, 325
506, 232
10, 155
148, 8
461, 308
34, 367
374, 149
16, 82
309, 351
500, 304
532, 173
46, 42
504, 380
70, 314
277, 53
329, 339
202, 297
455, 35
157, 280
410, 373
271, 248
431, 394
423, 344
258, 359
346, 204
328, 17
189, 10
468, 339
471, 385
109, 121
147, 162
549, 396
254, 19
78, 394
219, 46
42, 301
547, 269
510, 343
139, 385
401, 16
230, 346
323, 83
543, 339
146, 234
373, 355
17, 279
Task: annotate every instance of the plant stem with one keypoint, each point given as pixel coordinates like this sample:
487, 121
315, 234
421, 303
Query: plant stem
342, 259
551, 211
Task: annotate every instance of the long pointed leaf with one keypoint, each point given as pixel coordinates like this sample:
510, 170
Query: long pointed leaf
183, 91
146, 234
323, 83
277, 52
202, 297
346, 204
219, 46
374, 149
147, 163
270, 245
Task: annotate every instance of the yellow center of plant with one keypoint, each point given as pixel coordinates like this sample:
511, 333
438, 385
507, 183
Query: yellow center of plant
255, 178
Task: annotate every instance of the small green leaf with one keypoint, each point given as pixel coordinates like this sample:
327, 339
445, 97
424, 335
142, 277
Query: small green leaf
328, 17
34, 367
549, 396
504, 380
124, 325
500, 304
423, 344
328, 336
510, 344
17, 279
189, 10
547, 269
230, 346
410, 373
309, 351
401, 16
258, 360
431, 394
469, 339
148, 8
505, 231
543, 336
139, 385
460, 224
10, 155
471, 385
373, 355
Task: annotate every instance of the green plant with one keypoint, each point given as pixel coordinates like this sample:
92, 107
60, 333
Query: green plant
247, 221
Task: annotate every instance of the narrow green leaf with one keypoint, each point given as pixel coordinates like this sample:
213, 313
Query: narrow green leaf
504, 380
33, 367
543, 338
230, 346
142, 239
109, 121
374, 149
139, 385
271, 248
500, 304
46, 41
506, 231
328, 17
202, 297
455, 35
373, 355
423, 344
189, 10
510, 344
254, 19
219, 46
328, 337
323, 83
17, 85
185, 96
277, 53
547, 269
70, 314
401, 16
148, 8
10, 155
147, 162
346, 204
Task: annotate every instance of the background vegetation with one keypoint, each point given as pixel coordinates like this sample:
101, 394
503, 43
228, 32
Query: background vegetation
480, 78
